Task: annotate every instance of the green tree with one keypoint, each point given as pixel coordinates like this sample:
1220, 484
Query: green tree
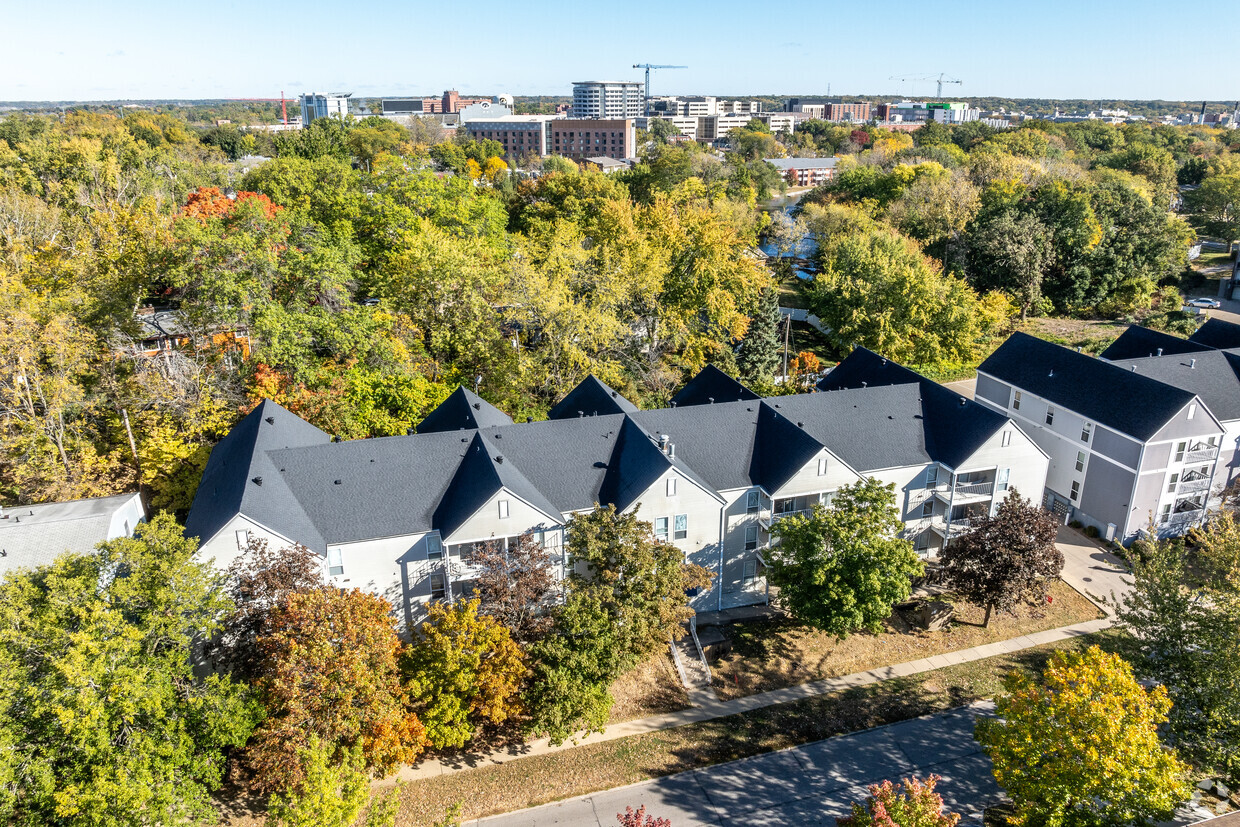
1081, 746
842, 568
1005, 559
462, 670
1215, 205
758, 354
331, 793
1011, 252
104, 722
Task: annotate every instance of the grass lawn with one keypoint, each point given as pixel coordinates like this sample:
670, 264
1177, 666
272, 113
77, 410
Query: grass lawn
1090, 335
1212, 258
527, 782
650, 688
776, 653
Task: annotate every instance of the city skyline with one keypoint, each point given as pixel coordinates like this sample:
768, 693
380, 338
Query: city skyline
139, 50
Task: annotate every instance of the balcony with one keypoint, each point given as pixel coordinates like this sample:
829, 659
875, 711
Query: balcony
1193, 483
1201, 453
965, 492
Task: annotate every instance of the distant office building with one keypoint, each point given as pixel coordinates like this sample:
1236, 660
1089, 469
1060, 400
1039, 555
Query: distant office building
947, 112
519, 134
450, 103
687, 126
831, 110
804, 172
315, 106
583, 138
717, 127
607, 100
775, 121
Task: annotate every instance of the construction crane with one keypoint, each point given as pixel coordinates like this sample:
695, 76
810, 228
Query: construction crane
940, 79
281, 99
648, 67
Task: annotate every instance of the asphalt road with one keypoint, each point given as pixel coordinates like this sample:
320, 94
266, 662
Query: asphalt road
806, 785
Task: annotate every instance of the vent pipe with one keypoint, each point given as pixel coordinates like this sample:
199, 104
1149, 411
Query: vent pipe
1192, 364
671, 450
1160, 351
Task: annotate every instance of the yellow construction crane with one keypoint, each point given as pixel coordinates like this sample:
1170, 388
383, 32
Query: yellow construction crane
940, 79
648, 67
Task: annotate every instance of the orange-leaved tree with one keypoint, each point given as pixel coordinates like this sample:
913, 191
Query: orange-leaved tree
331, 671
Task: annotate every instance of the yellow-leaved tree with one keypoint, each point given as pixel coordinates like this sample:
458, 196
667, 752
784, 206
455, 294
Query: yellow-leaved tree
1081, 746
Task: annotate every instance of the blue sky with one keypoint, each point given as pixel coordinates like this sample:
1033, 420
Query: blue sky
78, 50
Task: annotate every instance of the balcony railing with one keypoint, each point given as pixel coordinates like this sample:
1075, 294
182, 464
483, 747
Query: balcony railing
975, 489
1201, 453
1194, 485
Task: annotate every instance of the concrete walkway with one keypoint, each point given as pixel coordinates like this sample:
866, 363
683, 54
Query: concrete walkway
1099, 575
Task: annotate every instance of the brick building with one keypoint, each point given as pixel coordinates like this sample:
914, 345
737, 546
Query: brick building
584, 138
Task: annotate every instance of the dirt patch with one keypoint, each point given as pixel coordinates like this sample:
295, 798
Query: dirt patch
1092, 336
777, 653
650, 688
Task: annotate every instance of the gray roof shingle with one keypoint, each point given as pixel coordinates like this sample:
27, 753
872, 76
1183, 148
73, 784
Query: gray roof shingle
590, 398
712, 386
463, 410
1217, 333
1137, 342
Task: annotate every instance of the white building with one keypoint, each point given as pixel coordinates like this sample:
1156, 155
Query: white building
607, 100
35, 535
400, 516
315, 105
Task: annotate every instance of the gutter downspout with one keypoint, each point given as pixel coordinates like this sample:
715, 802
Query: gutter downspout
951, 503
719, 579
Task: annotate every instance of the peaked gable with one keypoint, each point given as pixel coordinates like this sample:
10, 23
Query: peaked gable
463, 410
1138, 342
712, 385
481, 475
591, 397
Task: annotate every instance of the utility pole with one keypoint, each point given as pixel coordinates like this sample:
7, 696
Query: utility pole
787, 333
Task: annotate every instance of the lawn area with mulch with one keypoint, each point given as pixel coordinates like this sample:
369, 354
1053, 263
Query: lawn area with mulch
771, 654
527, 782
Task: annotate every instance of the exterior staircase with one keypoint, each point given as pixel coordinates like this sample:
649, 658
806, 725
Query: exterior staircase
693, 668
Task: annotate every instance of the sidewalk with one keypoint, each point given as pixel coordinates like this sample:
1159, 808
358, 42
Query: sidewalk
1097, 574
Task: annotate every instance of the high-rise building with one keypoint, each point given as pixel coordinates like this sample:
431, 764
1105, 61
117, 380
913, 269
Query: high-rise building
315, 106
609, 100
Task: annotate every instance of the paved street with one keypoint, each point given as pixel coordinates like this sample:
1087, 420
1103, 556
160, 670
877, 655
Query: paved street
806, 785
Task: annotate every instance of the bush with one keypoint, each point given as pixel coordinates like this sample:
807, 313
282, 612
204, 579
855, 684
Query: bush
1091, 531
1077, 524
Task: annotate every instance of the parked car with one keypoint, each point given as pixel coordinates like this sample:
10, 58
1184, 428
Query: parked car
1211, 303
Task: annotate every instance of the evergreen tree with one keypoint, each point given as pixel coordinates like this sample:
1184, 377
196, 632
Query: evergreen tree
759, 351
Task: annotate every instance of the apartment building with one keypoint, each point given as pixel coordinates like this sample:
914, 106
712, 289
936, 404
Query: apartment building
805, 172
315, 105
608, 100
401, 516
519, 134
777, 121
1134, 444
581, 139
827, 110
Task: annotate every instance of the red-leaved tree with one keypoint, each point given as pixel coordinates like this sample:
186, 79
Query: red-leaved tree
912, 803
638, 818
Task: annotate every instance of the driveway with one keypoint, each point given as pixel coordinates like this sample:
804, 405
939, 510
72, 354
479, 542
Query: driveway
806, 785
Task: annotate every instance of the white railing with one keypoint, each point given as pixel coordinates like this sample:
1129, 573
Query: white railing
975, 489
1193, 485
1201, 453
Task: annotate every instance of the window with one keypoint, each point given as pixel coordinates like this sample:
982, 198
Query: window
1016, 401
434, 548
932, 476
750, 572
1050, 415
335, 562
1192, 410
1179, 451
439, 586
660, 529
751, 537
822, 467
1001, 479
1075, 494
1080, 460
243, 539
1086, 429
753, 501
927, 508
922, 542
1166, 513
1172, 483
671, 486
680, 527
503, 509
786, 505
1007, 439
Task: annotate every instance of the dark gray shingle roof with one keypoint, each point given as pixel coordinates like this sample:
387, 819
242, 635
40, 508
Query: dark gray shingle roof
463, 410
712, 385
1114, 396
590, 398
1217, 333
1210, 375
1137, 342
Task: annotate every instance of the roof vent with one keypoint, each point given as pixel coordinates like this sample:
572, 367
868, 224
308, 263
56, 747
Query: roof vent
1052, 373
499, 459
710, 399
1134, 368
800, 424
580, 414
271, 420
884, 361
663, 442
337, 482
1160, 351
614, 394
963, 402
477, 406
529, 419
411, 431
257, 480
1078, 348
671, 450
1192, 363
498, 436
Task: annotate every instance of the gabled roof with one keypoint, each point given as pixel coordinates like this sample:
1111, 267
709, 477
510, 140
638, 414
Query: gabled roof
1211, 375
1137, 342
463, 410
712, 386
591, 398
482, 474
35, 535
781, 448
1104, 392
865, 368
636, 463
1217, 333
869, 429
240, 477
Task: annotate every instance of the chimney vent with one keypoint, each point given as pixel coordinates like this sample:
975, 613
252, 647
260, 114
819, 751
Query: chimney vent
663, 442
529, 419
499, 459
865, 384
963, 402
271, 420
1192, 363
257, 480
1134, 368
710, 399
1160, 351
671, 450
477, 406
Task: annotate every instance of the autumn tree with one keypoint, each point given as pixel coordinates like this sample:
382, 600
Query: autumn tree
102, 719
1080, 747
331, 792
463, 671
1006, 559
331, 670
640, 818
912, 803
516, 585
842, 568
260, 582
